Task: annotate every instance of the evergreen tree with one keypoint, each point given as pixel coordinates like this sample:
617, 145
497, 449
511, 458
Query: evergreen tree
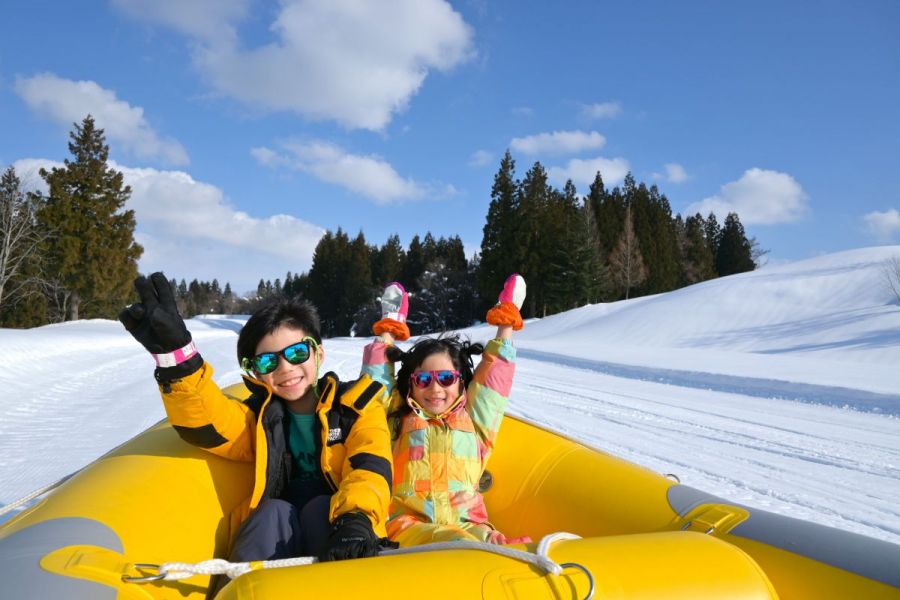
535, 235
228, 300
698, 262
735, 253
567, 275
597, 286
500, 246
625, 263
91, 254
358, 288
387, 263
713, 233
414, 265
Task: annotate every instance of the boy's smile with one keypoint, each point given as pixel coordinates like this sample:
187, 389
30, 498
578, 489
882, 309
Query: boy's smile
291, 382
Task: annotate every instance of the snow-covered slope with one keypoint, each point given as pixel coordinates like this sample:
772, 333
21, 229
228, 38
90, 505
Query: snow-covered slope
778, 388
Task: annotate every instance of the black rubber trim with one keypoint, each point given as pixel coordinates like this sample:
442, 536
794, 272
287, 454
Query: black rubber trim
202, 437
367, 395
374, 463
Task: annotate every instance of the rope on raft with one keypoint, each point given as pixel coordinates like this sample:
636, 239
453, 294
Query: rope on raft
174, 571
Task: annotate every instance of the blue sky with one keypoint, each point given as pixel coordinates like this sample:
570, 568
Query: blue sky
247, 128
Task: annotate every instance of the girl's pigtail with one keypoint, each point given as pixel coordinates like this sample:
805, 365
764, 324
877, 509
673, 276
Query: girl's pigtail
395, 354
466, 351
472, 349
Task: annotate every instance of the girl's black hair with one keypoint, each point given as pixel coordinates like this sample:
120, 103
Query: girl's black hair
289, 312
460, 351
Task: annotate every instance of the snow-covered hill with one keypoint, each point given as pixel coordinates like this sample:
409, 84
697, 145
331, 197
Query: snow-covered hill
778, 388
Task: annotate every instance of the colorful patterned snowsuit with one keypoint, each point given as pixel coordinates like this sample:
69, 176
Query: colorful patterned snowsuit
438, 463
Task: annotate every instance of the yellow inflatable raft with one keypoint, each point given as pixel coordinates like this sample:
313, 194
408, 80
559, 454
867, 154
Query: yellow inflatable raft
156, 499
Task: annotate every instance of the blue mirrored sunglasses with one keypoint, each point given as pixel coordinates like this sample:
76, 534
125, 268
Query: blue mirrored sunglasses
295, 354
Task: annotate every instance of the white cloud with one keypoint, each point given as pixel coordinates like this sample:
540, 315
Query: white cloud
675, 173
603, 110
884, 226
583, 172
369, 176
189, 229
481, 158
759, 197
523, 111
66, 102
28, 172
205, 19
357, 63
558, 142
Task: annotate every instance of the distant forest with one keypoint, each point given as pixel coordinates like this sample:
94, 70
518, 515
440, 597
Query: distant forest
70, 253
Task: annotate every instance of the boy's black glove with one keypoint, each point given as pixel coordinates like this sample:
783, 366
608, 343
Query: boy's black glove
156, 324
352, 536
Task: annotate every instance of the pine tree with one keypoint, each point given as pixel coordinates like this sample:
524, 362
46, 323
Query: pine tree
625, 263
713, 233
414, 265
597, 286
387, 262
500, 246
91, 254
698, 262
659, 247
535, 235
735, 253
609, 213
358, 288
228, 300
566, 276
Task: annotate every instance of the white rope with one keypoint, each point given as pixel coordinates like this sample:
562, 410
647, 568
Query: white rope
174, 571
35, 494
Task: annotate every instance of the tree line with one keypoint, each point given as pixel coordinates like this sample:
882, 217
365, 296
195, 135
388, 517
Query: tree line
70, 253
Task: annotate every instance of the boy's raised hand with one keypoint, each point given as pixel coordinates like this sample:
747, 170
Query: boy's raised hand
156, 324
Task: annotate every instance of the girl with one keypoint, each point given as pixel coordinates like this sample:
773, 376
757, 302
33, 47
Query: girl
444, 419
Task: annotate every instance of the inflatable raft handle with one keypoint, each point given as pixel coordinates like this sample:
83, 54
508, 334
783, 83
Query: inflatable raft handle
145, 567
584, 570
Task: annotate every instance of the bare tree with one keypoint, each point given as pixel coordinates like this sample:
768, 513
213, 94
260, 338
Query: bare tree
625, 262
20, 238
758, 253
890, 273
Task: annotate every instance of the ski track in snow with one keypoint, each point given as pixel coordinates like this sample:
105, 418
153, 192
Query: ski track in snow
747, 386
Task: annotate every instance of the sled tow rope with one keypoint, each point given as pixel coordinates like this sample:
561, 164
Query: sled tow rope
173, 571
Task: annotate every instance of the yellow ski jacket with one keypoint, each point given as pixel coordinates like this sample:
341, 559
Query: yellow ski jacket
354, 444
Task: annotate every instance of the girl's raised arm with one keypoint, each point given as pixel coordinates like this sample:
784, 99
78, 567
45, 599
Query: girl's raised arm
391, 327
489, 390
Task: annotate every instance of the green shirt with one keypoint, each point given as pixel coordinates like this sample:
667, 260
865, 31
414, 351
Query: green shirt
302, 443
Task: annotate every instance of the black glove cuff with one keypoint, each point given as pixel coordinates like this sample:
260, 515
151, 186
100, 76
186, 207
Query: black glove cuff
353, 519
166, 375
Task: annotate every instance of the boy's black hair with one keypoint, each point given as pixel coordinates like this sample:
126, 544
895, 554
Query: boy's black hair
289, 312
460, 351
